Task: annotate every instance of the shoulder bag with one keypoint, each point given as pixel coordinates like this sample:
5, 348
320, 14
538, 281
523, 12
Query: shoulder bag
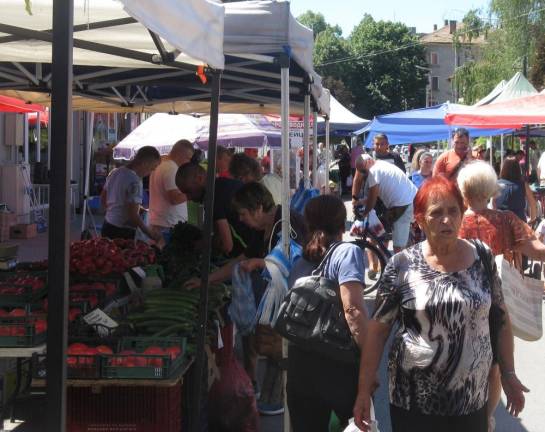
312, 317
522, 297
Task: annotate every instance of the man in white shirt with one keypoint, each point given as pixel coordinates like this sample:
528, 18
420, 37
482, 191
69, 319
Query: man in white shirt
387, 182
122, 196
167, 204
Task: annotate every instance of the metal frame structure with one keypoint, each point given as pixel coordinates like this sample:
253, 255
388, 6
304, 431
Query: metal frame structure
255, 79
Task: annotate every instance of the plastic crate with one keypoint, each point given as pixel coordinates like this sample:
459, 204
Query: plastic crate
143, 366
22, 294
127, 409
20, 332
81, 366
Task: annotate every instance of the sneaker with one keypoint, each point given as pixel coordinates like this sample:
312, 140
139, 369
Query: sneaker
270, 409
371, 274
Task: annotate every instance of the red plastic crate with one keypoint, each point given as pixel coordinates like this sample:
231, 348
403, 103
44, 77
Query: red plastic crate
124, 409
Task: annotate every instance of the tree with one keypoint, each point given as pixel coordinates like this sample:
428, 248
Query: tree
537, 74
512, 44
339, 90
317, 23
383, 72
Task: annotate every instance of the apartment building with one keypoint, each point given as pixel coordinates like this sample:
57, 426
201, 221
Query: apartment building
444, 57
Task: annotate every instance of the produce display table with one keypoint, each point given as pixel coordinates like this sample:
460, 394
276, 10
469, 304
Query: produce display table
20, 354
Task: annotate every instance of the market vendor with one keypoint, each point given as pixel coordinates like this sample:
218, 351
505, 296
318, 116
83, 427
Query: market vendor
255, 207
122, 196
167, 204
231, 236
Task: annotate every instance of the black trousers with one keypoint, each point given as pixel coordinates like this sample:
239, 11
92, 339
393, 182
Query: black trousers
410, 421
113, 232
316, 386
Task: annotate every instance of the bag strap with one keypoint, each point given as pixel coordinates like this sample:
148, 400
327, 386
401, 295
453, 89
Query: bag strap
484, 256
318, 271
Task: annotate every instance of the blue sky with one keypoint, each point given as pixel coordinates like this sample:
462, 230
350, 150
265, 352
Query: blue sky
422, 14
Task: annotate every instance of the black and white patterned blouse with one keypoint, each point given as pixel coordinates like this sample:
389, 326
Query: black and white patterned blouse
441, 354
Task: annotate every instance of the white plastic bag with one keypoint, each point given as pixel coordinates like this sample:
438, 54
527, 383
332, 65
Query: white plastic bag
349, 180
374, 423
375, 226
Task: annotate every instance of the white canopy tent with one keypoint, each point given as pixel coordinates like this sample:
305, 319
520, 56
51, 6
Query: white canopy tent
518, 86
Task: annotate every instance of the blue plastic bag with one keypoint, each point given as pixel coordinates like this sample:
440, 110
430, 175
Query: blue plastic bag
301, 197
277, 271
242, 309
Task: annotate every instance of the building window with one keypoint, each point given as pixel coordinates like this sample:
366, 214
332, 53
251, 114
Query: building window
435, 83
433, 58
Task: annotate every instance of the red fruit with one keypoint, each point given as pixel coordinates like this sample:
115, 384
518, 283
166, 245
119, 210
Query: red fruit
98, 285
110, 289
141, 361
72, 361
3, 313
77, 348
154, 350
5, 331
18, 312
73, 313
40, 326
104, 349
18, 330
173, 351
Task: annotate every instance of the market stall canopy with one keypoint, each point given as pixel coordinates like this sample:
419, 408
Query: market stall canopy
13, 105
419, 125
510, 114
240, 130
122, 66
518, 86
161, 131
342, 121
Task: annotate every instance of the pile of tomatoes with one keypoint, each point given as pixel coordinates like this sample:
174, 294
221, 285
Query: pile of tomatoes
82, 355
102, 256
17, 322
20, 285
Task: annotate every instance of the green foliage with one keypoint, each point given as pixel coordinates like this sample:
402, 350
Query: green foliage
384, 77
514, 40
317, 23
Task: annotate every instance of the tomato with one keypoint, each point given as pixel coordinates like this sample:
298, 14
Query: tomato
173, 351
40, 326
17, 330
18, 312
5, 331
104, 349
110, 289
154, 350
73, 313
3, 313
72, 361
77, 348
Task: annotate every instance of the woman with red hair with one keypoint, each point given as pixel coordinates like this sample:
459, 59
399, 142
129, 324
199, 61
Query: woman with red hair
441, 295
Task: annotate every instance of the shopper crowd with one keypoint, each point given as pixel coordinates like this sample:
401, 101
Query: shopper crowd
452, 351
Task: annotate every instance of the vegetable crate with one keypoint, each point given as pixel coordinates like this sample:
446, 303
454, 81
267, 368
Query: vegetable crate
128, 409
22, 331
136, 358
17, 288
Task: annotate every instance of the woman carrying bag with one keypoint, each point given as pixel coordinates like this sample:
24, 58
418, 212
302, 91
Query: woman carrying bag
318, 384
442, 292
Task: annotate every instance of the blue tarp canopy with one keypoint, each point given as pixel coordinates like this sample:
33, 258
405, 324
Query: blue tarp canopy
419, 125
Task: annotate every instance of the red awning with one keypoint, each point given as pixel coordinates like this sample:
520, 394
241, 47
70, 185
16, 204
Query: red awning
509, 114
9, 104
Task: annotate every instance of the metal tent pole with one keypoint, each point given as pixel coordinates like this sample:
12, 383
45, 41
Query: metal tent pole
59, 229
38, 137
25, 139
314, 148
527, 152
306, 135
285, 114
207, 232
327, 161
89, 121
501, 149
49, 140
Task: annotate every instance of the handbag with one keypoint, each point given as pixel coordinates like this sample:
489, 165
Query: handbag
312, 317
523, 298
